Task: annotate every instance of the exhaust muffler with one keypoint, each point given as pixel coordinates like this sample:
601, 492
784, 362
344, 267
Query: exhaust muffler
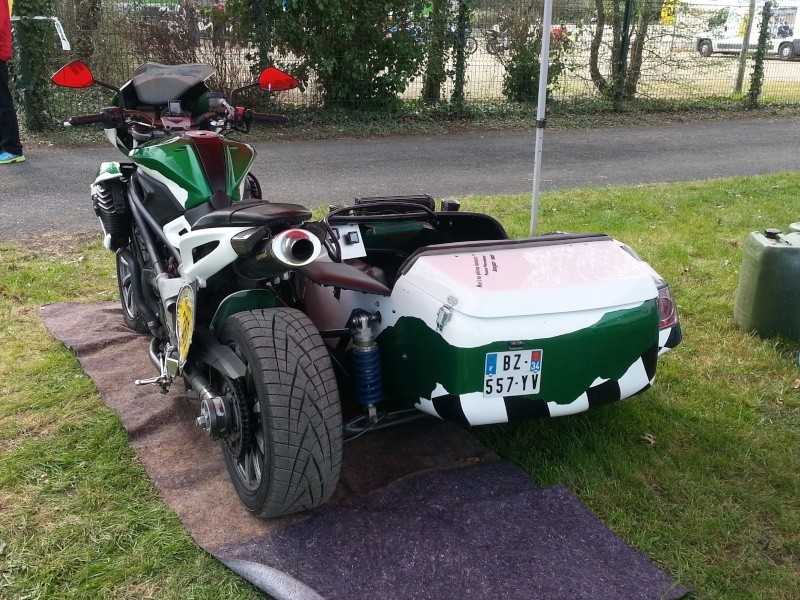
288, 250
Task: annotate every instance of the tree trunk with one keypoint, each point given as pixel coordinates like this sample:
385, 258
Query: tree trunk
637, 54
435, 50
594, 49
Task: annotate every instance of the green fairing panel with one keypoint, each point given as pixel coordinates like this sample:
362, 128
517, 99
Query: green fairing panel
240, 158
176, 160
416, 358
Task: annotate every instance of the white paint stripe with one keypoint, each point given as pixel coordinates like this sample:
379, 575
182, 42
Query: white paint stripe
562, 410
483, 411
663, 336
634, 379
426, 406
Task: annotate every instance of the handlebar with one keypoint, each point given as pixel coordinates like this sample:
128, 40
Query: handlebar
84, 120
110, 117
115, 117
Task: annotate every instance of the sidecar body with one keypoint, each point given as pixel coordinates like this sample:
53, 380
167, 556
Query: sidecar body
477, 329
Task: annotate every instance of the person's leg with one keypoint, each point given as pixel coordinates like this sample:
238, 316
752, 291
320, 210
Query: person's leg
9, 126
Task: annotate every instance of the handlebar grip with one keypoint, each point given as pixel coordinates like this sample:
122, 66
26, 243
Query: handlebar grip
268, 118
85, 119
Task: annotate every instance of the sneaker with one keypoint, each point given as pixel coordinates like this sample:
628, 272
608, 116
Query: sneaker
7, 157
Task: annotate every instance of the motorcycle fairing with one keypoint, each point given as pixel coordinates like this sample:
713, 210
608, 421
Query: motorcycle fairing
113, 135
108, 170
669, 338
195, 166
217, 239
158, 194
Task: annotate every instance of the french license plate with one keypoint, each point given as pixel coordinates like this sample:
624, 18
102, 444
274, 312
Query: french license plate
514, 373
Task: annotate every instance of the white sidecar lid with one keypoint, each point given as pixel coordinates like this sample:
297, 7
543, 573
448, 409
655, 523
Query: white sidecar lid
515, 279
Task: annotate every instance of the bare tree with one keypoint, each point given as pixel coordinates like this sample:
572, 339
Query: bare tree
628, 41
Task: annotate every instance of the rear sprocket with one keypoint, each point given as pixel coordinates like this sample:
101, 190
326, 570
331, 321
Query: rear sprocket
240, 437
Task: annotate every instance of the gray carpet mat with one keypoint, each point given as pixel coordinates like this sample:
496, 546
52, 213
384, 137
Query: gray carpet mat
421, 511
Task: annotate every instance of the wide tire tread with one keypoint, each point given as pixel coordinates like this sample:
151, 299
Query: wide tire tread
302, 409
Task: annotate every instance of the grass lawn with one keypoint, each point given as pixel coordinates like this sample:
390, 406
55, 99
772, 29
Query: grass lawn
700, 473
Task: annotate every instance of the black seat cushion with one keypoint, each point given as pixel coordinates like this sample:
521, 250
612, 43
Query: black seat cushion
253, 213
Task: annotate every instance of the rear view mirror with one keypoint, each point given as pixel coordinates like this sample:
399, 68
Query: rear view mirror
275, 80
74, 75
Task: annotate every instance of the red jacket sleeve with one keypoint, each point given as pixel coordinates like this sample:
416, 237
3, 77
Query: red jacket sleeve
5, 31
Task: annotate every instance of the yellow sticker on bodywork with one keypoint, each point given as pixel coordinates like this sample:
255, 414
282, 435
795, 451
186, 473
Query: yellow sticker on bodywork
184, 322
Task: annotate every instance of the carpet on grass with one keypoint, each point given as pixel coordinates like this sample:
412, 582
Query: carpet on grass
421, 511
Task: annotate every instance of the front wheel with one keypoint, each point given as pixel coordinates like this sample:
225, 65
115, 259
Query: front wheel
786, 52
285, 449
130, 312
705, 48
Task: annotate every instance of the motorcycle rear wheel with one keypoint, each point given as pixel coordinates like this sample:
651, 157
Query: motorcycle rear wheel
291, 462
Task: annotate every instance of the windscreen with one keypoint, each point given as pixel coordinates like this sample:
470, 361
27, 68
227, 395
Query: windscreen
158, 84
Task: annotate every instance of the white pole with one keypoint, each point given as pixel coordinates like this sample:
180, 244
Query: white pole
540, 111
65, 46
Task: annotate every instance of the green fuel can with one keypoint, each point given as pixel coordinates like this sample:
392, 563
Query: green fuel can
768, 296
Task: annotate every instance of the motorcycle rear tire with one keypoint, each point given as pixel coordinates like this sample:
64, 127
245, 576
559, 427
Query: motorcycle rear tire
293, 459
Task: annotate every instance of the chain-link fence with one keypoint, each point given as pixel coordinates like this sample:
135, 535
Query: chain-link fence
438, 50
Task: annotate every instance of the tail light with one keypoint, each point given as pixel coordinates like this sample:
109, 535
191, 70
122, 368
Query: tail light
667, 309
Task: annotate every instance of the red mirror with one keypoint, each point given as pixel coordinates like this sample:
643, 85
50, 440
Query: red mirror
275, 80
74, 75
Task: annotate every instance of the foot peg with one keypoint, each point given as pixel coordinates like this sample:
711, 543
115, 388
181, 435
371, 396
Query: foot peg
165, 363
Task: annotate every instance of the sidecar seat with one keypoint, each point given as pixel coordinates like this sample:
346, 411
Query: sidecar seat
389, 239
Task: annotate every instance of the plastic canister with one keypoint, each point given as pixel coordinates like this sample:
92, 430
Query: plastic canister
768, 296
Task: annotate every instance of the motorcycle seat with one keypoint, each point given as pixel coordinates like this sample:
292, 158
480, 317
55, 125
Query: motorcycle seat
253, 213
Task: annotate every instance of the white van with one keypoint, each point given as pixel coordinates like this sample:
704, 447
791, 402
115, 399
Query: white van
726, 27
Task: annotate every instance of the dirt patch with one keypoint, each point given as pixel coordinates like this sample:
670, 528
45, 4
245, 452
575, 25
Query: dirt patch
56, 244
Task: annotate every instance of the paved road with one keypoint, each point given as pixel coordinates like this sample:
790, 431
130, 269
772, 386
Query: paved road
50, 190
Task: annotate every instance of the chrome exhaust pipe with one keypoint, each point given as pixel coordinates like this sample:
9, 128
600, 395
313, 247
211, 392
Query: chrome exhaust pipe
288, 250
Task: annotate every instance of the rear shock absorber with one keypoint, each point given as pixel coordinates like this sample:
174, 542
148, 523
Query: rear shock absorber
366, 361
